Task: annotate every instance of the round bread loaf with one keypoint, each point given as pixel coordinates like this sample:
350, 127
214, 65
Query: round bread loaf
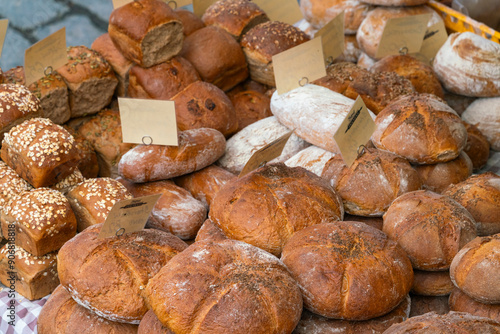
477, 147
431, 228
62, 315
468, 64
348, 270
480, 195
460, 302
108, 275
431, 283
264, 41
250, 106
438, 177
421, 128
425, 304
311, 158
420, 74
151, 325
204, 105
476, 269
190, 22
225, 287
450, 323
483, 113
265, 207
210, 231
372, 182
370, 31
458, 102
311, 323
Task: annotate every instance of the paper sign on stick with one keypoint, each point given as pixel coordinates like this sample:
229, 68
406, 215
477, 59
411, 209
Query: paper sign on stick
146, 121
200, 6
128, 216
299, 65
403, 35
49, 53
266, 154
332, 35
3, 31
356, 129
287, 11
434, 39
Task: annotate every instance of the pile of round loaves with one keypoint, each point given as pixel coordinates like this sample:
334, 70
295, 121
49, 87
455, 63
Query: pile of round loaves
405, 240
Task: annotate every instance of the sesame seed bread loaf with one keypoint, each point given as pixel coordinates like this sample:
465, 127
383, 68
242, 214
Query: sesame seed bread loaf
147, 32
92, 200
11, 184
69, 182
62, 315
17, 104
90, 79
108, 275
41, 152
35, 276
42, 218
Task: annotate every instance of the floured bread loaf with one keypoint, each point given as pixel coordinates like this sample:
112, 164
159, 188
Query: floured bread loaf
485, 115
468, 64
311, 158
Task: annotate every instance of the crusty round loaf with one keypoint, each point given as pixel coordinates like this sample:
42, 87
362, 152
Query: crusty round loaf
203, 105
348, 270
438, 177
151, 325
431, 228
312, 158
210, 231
311, 323
420, 74
372, 182
431, 283
480, 195
107, 275
190, 22
370, 31
264, 41
421, 128
62, 315
477, 147
265, 207
476, 269
217, 57
198, 148
425, 304
234, 16
483, 113
460, 302
468, 64
250, 106
225, 287
450, 323
162, 81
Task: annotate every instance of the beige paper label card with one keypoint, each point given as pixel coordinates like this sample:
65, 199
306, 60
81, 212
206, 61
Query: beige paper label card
287, 11
200, 6
119, 3
332, 35
434, 39
403, 35
355, 131
299, 65
44, 56
266, 154
128, 216
148, 121
3, 31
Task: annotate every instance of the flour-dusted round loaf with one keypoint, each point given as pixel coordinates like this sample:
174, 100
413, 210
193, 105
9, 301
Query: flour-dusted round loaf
431, 283
468, 64
373, 181
477, 147
62, 315
241, 146
351, 51
267, 206
461, 302
484, 114
348, 270
476, 269
311, 158
420, 127
449, 323
480, 195
108, 275
430, 227
225, 287
425, 304
311, 323
314, 112
198, 148
365, 60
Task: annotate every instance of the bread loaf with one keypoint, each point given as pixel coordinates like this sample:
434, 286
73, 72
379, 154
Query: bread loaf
198, 148
431, 228
147, 32
477, 147
425, 304
88, 164
225, 287
458, 102
190, 22
376, 222
311, 158
210, 231
351, 51
151, 325
52, 92
250, 106
348, 270
460, 302
69, 182
483, 113
11, 184
14, 75
107, 275
431, 283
